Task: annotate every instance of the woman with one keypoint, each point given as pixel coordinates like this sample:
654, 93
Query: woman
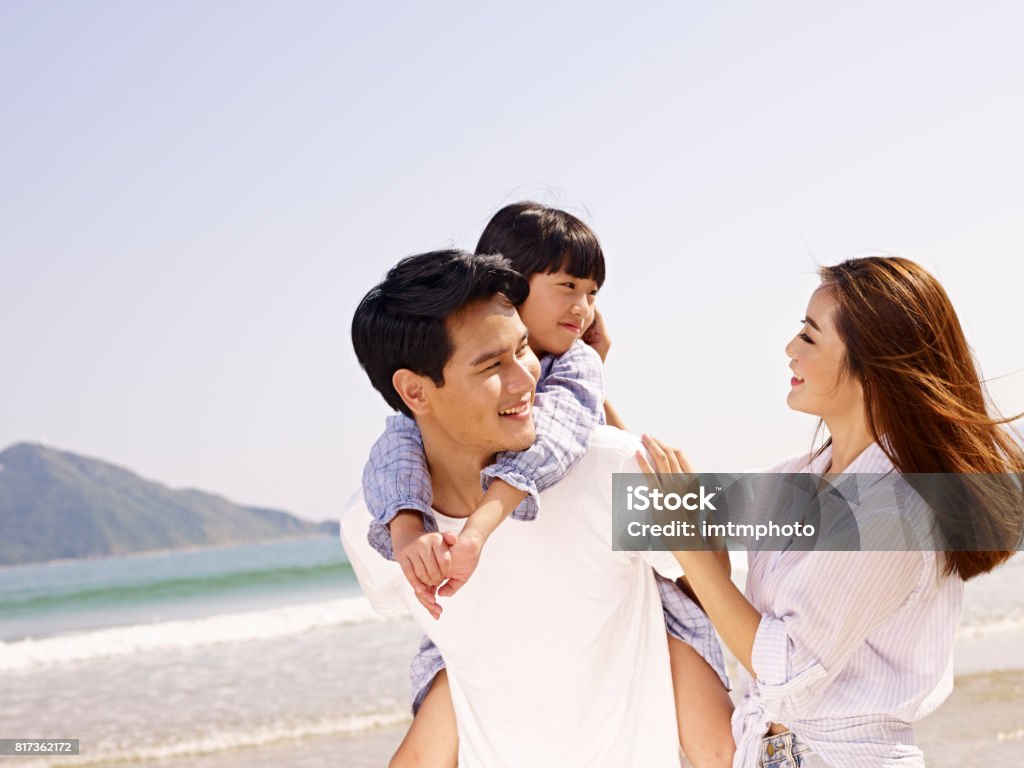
843, 650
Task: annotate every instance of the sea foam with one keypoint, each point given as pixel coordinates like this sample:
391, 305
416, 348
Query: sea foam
191, 633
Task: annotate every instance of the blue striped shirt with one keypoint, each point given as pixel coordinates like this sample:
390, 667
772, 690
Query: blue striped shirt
852, 646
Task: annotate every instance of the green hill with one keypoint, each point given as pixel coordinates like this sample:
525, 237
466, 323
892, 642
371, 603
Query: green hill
56, 505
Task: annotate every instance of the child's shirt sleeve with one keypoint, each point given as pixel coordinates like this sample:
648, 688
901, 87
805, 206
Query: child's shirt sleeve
568, 405
396, 478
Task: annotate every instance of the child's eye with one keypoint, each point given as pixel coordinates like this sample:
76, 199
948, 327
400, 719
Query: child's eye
570, 286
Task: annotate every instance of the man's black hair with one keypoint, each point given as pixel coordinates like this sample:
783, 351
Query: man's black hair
536, 238
401, 323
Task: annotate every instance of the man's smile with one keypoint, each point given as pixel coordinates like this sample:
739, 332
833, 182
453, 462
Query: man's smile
519, 411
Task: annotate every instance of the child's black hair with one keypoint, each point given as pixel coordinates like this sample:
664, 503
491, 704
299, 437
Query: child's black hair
536, 238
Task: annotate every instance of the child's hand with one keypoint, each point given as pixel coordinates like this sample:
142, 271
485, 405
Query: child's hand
465, 554
497, 504
596, 336
425, 560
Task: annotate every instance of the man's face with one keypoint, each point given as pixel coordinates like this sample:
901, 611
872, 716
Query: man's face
486, 402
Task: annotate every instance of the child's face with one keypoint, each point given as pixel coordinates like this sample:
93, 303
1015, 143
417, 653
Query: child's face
557, 311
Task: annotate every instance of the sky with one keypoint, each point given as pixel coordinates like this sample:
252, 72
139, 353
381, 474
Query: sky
194, 197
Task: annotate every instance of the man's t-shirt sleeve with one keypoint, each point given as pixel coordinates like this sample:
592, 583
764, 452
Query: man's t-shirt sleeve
381, 580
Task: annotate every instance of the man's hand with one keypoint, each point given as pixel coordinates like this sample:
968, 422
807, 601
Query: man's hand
424, 557
465, 554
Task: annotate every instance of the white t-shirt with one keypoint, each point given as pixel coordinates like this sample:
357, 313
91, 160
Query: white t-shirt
556, 648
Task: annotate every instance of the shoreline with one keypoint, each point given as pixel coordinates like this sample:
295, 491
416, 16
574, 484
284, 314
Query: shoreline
166, 551
977, 725
335, 693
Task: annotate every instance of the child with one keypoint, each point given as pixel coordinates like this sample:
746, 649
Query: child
563, 261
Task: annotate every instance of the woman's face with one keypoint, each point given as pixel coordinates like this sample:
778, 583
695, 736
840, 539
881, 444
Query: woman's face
820, 386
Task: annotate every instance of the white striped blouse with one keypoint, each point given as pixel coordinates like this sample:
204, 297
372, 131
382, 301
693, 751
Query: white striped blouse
852, 646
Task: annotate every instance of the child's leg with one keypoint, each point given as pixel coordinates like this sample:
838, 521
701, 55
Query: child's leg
432, 740
703, 708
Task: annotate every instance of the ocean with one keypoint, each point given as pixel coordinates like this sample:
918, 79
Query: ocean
269, 655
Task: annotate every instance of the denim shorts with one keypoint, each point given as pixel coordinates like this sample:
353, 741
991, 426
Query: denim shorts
786, 751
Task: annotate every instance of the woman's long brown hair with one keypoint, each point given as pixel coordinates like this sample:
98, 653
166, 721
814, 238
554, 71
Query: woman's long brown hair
923, 395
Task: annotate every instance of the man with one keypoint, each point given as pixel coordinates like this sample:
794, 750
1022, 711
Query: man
556, 650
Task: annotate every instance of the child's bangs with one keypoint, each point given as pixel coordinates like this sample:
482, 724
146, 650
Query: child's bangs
584, 260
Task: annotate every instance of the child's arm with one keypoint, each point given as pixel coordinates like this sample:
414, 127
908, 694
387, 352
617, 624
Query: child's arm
597, 336
397, 490
612, 418
396, 479
567, 407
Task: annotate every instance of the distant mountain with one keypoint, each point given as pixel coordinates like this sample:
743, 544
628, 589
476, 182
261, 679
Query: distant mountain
55, 505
